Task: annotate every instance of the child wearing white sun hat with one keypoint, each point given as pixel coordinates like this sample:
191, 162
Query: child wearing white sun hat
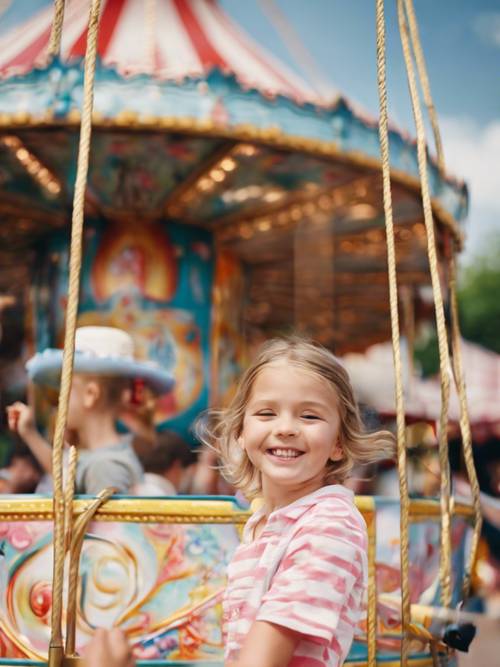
103, 383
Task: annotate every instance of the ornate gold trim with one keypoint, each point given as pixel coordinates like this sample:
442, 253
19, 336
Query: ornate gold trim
154, 510
371, 618
428, 509
76, 661
412, 662
271, 136
134, 510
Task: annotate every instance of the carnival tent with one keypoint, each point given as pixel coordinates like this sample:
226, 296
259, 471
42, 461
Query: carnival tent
171, 39
211, 208
196, 124
372, 377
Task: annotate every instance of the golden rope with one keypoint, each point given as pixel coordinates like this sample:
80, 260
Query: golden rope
56, 645
393, 300
56, 32
444, 360
371, 621
455, 329
80, 530
69, 491
464, 421
424, 81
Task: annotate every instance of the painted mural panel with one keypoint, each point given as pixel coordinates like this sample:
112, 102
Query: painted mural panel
228, 341
161, 583
155, 281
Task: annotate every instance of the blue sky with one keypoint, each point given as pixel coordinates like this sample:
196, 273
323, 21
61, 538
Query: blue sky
461, 42
458, 37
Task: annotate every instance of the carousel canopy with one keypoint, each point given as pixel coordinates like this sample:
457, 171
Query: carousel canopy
169, 39
292, 189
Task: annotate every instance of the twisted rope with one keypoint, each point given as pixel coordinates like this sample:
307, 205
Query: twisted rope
393, 300
75, 551
56, 646
56, 32
371, 630
455, 329
69, 491
464, 423
444, 360
424, 82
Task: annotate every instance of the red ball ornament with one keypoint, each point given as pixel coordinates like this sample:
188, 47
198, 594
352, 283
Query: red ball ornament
41, 598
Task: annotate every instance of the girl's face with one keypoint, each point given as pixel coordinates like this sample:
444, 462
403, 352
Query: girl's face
290, 430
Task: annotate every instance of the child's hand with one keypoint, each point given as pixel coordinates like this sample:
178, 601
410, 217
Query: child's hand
21, 419
108, 648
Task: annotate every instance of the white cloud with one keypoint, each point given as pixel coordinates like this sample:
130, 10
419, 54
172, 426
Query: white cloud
487, 27
472, 152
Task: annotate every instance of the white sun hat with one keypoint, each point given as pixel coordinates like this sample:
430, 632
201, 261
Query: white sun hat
105, 351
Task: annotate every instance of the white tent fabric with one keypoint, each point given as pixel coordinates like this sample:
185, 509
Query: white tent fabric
372, 376
169, 39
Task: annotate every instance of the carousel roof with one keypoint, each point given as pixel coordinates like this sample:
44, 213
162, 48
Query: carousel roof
185, 137
169, 39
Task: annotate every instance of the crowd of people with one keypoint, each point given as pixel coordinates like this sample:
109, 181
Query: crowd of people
108, 383
291, 437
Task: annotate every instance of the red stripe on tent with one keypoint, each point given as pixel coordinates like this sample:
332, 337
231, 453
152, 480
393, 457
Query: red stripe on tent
109, 19
28, 56
78, 48
107, 24
208, 55
229, 26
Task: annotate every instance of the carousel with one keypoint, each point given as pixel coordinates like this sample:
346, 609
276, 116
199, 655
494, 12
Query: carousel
161, 173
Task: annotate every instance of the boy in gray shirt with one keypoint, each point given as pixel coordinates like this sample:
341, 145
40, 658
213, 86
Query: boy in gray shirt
102, 387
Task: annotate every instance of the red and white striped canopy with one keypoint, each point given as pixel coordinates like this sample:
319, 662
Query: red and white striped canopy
170, 39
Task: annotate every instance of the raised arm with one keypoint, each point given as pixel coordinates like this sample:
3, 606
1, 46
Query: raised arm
21, 420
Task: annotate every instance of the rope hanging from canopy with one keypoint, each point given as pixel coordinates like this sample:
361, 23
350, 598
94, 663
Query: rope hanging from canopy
62, 532
63, 497
393, 299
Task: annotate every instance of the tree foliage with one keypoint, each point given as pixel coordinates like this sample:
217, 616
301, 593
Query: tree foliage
479, 308
479, 298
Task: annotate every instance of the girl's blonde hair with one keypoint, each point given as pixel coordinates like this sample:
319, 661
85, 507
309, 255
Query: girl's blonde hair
220, 429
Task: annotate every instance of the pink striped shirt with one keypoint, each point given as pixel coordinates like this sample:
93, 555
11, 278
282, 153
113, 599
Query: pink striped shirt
307, 571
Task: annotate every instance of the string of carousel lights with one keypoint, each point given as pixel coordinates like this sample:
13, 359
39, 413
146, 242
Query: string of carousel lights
35, 168
318, 210
212, 180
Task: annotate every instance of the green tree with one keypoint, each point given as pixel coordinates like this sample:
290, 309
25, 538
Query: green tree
479, 308
479, 298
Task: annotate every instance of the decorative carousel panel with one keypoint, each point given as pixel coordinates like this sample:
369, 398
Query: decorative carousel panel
137, 172
423, 565
161, 583
156, 568
129, 172
156, 285
217, 104
228, 341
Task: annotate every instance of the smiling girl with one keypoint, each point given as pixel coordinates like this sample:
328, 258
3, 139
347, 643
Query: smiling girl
291, 435
297, 582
